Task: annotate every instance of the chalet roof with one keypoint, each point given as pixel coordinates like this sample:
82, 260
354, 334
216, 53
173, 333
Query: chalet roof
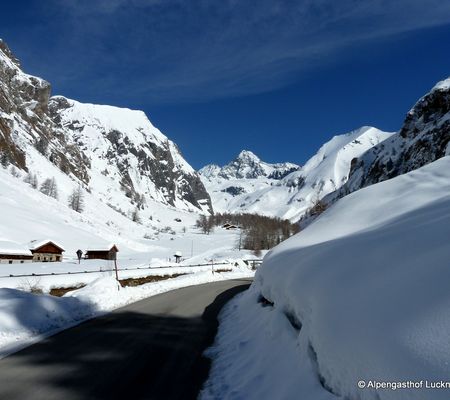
13, 248
106, 247
35, 244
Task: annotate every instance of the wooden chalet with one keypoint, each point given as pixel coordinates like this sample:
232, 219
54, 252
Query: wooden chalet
107, 253
14, 253
46, 251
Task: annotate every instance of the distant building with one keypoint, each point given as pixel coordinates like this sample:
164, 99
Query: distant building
14, 253
228, 226
45, 251
107, 253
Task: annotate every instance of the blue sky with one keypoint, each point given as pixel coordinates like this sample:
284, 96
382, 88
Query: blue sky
276, 77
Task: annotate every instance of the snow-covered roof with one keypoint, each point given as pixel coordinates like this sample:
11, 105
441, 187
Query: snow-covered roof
13, 248
35, 244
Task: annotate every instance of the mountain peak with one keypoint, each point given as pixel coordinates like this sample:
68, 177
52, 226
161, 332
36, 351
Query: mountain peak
247, 155
247, 165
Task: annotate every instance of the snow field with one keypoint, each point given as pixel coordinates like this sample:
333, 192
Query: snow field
368, 284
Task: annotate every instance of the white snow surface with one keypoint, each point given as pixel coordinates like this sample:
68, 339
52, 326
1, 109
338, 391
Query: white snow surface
12, 248
291, 196
366, 286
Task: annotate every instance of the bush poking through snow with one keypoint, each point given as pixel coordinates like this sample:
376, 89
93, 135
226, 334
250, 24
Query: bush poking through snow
31, 286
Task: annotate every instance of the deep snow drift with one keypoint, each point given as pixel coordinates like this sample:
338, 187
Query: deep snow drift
360, 294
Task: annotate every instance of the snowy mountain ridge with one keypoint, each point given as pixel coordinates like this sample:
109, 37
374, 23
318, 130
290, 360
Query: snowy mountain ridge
129, 155
248, 165
286, 190
114, 153
423, 138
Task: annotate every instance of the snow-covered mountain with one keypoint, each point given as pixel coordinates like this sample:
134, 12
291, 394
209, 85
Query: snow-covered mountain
286, 190
423, 138
248, 166
114, 153
128, 155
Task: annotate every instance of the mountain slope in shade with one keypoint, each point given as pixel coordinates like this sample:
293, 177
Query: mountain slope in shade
258, 187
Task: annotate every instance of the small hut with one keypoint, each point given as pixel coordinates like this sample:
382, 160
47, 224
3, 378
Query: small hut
45, 251
102, 253
14, 253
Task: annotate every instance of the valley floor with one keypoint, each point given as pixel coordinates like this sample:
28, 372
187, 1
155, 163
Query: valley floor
26, 317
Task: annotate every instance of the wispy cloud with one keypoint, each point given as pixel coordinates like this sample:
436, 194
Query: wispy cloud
180, 50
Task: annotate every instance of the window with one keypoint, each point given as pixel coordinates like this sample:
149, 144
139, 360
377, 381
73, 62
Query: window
21, 261
10, 262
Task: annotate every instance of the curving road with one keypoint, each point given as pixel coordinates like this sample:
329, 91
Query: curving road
151, 349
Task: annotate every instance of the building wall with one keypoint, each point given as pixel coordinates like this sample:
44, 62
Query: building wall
46, 257
14, 261
101, 255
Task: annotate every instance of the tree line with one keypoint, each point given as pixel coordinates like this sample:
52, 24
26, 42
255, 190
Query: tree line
258, 232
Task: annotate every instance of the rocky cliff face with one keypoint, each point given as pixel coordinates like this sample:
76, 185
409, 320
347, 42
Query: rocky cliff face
24, 121
423, 138
109, 150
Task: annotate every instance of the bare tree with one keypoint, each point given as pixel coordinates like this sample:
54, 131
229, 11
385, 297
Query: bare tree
206, 224
76, 200
14, 172
4, 160
50, 188
135, 215
31, 179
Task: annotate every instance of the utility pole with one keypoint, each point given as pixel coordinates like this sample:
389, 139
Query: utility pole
117, 273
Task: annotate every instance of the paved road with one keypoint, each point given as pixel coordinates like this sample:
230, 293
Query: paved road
151, 349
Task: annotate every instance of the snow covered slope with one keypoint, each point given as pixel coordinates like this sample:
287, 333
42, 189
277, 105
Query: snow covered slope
286, 190
128, 156
113, 152
360, 295
28, 214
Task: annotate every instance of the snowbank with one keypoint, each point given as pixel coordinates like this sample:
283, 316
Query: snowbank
26, 318
361, 294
